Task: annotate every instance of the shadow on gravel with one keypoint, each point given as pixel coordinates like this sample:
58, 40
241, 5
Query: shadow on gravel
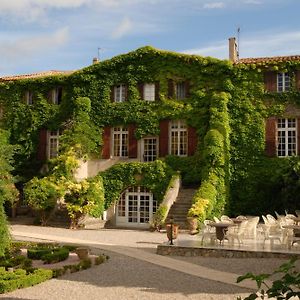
123, 272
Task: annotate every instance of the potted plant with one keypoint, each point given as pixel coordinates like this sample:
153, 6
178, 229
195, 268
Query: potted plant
82, 252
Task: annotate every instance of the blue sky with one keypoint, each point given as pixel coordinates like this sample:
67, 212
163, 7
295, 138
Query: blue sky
40, 35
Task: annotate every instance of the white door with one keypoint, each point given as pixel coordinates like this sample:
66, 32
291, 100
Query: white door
149, 149
135, 208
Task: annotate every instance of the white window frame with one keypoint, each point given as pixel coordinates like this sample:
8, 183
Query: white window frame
283, 82
53, 143
154, 153
29, 97
286, 137
120, 93
149, 91
120, 142
55, 95
178, 138
180, 90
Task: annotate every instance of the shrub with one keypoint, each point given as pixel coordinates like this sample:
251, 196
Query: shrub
38, 253
56, 255
85, 263
101, 259
19, 279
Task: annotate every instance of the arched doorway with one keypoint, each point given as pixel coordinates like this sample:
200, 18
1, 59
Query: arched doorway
135, 208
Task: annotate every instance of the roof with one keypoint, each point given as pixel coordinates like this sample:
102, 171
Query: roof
35, 75
274, 59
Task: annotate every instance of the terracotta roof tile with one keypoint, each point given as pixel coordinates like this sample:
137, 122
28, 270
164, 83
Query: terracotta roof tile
275, 59
35, 75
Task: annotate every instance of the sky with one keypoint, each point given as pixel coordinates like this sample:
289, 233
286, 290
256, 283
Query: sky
41, 35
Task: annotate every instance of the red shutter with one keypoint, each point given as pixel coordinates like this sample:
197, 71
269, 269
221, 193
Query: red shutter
192, 141
42, 145
106, 142
171, 88
271, 137
156, 90
298, 137
49, 96
187, 89
126, 93
132, 147
297, 80
164, 138
112, 93
270, 79
141, 90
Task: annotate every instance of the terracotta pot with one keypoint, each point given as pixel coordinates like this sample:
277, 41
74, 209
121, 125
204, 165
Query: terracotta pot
82, 252
193, 225
175, 231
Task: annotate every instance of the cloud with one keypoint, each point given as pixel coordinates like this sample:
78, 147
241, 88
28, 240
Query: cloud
123, 28
214, 5
23, 48
259, 44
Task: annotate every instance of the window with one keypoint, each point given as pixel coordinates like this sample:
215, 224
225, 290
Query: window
120, 142
178, 144
120, 93
180, 90
283, 82
286, 137
56, 95
29, 97
149, 91
53, 143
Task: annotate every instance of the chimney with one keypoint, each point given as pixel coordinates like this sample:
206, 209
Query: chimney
95, 60
233, 51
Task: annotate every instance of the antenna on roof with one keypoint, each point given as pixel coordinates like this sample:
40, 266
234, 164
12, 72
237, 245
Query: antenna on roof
238, 43
99, 53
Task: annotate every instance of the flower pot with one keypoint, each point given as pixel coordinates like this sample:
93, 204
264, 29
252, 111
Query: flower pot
193, 225
172, 235
82, 252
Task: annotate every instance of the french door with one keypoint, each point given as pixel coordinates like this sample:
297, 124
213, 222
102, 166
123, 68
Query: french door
135, 208
149, 149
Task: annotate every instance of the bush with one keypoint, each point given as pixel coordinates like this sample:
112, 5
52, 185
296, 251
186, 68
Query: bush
56, 255
85, 263
19, 279
38, 253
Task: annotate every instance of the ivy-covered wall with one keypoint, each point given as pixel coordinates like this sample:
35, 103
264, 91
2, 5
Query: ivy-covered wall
226, 104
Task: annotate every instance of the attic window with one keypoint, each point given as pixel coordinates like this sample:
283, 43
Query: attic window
180, 90
29, 97
120, 93
149, 91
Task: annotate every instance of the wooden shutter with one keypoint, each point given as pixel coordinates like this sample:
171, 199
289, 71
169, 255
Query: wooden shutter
42, 145
164, 138
297, 80
132, 147
126, 93
156, 90
49, 96
270, 79
187, 88
298, 136
141, 90
271, 137
112, 94
192, 141
106, 137
171, 88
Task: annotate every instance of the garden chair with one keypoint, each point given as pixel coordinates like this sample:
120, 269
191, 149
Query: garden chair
240, 217
251, 230
216, 220
238, 234
297, 213
226, 219
271, 219
278, 216
272, 232
208, 231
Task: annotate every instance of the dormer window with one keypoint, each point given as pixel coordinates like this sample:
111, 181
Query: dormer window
149, 91
283, 82
120, 93
56, 95
29, 97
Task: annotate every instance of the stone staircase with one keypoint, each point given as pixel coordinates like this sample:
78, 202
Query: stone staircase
180, 208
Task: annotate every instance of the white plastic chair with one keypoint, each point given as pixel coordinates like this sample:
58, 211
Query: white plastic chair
271, 219
238, 235
272, 232
251, 230
208, 232
226, 219
216, 220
